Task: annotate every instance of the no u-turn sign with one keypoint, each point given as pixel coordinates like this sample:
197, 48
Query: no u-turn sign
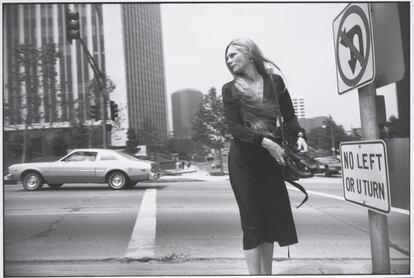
353, 42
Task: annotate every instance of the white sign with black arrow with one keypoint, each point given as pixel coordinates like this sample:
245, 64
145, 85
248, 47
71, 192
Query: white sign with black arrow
354, 47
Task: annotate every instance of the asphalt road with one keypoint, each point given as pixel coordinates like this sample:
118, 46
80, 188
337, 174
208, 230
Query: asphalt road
180, 228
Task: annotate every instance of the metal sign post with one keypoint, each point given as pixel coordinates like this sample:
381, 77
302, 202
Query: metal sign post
378, 223
356, 61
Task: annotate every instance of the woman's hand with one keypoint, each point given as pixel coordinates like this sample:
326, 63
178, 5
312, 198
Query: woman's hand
275, 150
302, 145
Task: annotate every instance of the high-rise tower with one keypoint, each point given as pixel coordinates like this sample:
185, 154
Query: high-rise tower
134, 59
185, 104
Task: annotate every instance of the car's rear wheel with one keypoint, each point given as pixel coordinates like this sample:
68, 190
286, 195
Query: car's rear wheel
118, 180
32, 181
56, 186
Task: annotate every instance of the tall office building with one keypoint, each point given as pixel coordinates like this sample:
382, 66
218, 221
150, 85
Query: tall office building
299, 106
134, 60
185, 104
124, 39
41, 25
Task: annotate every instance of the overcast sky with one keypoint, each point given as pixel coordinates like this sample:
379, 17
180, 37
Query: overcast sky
298, 37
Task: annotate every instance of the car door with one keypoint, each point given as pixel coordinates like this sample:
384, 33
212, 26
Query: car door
78, 167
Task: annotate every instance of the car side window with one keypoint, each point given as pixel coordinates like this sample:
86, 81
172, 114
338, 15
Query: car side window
108, 157
81, 156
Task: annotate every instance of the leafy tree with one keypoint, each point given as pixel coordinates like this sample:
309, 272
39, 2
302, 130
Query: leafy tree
185, 147
321, 137
393, 127
59, 145
93, 97
132, 141
148, 133
208, 126
78, 136
94, 92
33, 69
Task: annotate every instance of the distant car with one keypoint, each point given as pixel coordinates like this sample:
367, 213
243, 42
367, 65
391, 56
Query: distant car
328, 165
118, 169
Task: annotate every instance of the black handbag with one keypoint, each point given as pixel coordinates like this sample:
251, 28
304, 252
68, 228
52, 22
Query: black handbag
299, 165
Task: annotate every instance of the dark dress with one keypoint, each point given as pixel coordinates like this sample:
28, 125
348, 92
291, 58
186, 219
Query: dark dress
255, 176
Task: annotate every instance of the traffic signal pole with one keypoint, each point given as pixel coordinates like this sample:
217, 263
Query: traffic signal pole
73, 33
100, 79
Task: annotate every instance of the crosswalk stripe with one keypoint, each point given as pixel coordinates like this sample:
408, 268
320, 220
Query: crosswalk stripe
141, 244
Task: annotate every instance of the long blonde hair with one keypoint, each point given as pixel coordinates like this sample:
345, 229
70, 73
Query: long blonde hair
249, 48
252, 110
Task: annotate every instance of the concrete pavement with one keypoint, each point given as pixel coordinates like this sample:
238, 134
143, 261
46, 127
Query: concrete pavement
336, 253
309, 260
217, 266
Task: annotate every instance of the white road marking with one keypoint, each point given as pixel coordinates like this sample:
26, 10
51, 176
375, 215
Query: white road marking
142, 242
397, 210
25, 213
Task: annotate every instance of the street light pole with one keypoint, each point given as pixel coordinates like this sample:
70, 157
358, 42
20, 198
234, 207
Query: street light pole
332, 141
332, 138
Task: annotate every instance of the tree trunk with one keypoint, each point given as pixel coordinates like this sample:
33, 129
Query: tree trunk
25, 139
90, 133
221, 160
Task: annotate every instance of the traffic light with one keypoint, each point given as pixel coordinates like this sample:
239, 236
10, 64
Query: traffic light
94, 112
72, 25
114, 110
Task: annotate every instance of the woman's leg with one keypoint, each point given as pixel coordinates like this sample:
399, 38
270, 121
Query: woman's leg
266, 258
253, 260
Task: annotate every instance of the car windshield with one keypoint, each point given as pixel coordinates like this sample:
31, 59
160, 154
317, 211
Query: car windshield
129, 156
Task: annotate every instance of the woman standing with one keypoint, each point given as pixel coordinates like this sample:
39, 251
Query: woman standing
256, 155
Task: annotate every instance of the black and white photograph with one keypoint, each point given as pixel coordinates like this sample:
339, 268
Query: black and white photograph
215, 138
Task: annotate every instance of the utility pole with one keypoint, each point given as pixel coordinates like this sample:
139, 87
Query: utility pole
332, 141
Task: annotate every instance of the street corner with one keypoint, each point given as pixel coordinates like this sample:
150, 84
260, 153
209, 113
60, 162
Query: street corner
193, 173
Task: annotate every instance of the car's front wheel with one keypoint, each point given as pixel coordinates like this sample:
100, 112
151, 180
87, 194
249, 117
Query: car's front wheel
32, 181
118, 180
56, 186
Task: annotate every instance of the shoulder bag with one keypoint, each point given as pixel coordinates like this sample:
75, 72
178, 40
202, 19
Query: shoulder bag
299, 165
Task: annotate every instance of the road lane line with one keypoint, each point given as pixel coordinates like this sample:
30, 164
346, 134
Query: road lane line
397, 210
142, 242
9, 213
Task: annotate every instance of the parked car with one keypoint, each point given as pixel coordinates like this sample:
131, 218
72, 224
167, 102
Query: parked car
328, 165
118, 169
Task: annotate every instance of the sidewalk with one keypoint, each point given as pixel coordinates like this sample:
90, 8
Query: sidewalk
205, 267
194, 173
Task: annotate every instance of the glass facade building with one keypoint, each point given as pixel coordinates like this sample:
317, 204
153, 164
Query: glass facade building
145, 66
126, 42
41, 25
